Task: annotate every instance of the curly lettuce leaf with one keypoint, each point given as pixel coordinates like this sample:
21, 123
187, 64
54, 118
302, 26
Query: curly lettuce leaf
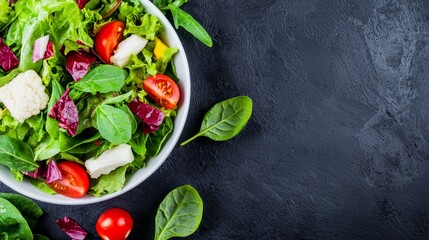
131, 11
139, 69
148, 27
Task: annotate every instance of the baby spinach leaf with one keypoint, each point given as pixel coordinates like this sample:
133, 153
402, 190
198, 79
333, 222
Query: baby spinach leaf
114, 124
179, 214
16, 154
132, 117
138, 144
225, 119
183, 19
13, 225
67, 143
157, 138
29, 210
103, 79
118, 99
48, 148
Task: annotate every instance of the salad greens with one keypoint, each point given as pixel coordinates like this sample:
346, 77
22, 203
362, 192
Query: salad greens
88, 111
179, 214
225, 119
19, 215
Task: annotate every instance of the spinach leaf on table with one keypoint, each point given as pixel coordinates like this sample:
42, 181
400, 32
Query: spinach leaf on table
225, 119
29, 210
16, 154
113, 124
179, 214
183, 19
12, 224
104, 78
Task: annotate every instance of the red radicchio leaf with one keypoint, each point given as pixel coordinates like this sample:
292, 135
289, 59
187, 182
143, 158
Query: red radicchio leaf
43, 49
78, 63
71, 228
52, 172
81, 3
8, 60
152, 118
65, 111
38, 173
49, 50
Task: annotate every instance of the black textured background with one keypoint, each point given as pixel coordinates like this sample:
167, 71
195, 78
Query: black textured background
337, 147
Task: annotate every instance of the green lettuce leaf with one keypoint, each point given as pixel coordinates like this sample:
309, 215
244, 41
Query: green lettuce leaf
7, 14
149, 26
131, 11
161, 65
109, 183
139, 69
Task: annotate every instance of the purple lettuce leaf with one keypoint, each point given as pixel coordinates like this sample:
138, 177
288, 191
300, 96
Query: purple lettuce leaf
71, 228
79, 63
152, 117
8, 59
81, 3
52, 172
65, 111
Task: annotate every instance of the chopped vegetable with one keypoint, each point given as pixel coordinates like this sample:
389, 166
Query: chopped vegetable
40, 47
108, 38
72, 228
133, 45
74, 182
65, 112
24, 96
163, 90
8, 59
79, 63
160, 48
151, 117
53, 173
109, 160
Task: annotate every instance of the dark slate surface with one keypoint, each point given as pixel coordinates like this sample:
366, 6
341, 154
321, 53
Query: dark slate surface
337, 147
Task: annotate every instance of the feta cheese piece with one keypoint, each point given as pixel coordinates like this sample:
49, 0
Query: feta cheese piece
109, 160
132, 45
24, 96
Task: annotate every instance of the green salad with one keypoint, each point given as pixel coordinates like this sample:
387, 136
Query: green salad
88, 92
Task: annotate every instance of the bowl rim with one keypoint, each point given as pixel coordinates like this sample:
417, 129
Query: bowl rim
156, 162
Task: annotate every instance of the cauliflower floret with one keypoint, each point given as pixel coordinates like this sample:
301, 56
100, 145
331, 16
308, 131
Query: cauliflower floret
109, 160
24, 96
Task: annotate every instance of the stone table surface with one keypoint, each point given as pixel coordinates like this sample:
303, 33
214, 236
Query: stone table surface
337, 147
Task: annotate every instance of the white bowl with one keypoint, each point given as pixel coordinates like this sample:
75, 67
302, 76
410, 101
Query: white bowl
169, 35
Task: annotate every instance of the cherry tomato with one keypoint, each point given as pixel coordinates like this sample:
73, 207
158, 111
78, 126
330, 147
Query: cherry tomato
163, 90
114, 224
108, 38
75, 181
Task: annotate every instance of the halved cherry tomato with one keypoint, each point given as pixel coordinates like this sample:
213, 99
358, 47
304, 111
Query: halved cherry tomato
75, 181
163, 90
114, 224
108, 38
